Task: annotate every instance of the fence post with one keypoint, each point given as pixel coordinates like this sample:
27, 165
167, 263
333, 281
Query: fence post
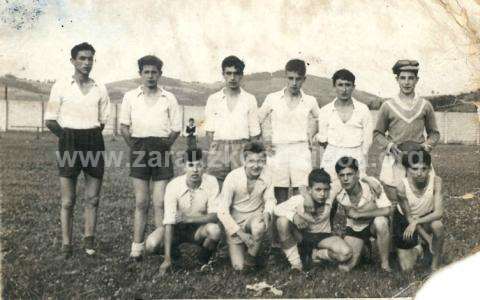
6, 108
445, 127
115, 124
43, 115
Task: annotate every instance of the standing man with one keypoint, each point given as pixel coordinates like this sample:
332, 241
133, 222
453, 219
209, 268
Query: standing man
313, 230
231, 120
367, 213
419, 211
344, 125
77, 112
191, 210
401, 119
150, 124
289, 110
191, 133
245, 207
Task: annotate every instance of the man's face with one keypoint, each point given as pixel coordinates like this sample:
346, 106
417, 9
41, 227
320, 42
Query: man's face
150, 75
83, 63
418, 172
194, 170
344, 89
319, 191
254, 163
233, 77
294, 82
190, 122
348, 178
407, 82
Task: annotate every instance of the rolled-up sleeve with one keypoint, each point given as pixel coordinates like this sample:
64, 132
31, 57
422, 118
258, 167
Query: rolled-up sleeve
170, 205
367, 131
174, 115
270, 200
126, 111
209, 115
104, 106
225, 201
54, 102
382, 127
288, 209
253, 122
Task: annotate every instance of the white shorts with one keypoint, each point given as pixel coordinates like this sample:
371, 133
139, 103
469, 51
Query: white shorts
290, 165
332, 154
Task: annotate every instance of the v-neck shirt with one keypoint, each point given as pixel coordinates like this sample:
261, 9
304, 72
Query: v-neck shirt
399, 123
73, 109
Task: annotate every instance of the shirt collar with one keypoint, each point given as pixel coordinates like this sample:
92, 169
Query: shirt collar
354, 104
224, 96
160, 91
285, 89
72, 81
184, 187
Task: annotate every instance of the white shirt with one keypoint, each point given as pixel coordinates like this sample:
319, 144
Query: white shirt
153, 116
288, 126
240, 123
235, 203
179, 198
356, 132
72, 109
420, 205
295, 205
367, 196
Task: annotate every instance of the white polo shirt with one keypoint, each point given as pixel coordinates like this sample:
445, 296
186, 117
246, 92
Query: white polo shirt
288, 126
150, 116
356, 132
240, 123
72, 109
179, 198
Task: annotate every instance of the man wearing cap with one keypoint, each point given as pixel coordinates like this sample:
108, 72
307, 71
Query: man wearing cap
290, 109
77, 112
403, 118
344, 125
150, 124
231, 120
246, 206
190, 210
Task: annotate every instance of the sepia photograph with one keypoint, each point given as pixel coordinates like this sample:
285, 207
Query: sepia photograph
239, 149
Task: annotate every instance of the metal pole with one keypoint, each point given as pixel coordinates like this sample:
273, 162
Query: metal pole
43, 114
115, 125
6, 108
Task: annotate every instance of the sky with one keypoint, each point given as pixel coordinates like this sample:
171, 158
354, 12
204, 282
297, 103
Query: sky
192, 37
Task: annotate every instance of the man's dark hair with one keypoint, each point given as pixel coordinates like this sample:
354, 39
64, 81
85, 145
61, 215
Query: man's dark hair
414, 157
150, 60
296, 65
191, 119
343, 74
253, 147
81, 47
318, 176
194, 154
346, 162
233, 61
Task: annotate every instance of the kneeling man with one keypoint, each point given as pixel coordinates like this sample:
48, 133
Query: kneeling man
190, 210
246, 206
367, 212
419, 211
294, 223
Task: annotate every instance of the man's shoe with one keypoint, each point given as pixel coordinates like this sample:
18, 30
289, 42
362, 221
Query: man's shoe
137, 251
88, 245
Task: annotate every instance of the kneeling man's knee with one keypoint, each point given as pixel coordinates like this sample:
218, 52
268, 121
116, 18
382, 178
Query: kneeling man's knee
213, 231
381, 224
437, 227
258, 229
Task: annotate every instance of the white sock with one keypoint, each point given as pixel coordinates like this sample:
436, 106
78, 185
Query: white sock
293, 256
137, 249
321, 254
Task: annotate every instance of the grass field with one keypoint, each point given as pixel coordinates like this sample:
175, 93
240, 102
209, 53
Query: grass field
31, 240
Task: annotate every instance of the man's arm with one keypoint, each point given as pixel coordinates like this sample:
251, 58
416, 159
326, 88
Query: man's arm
370, 213
433, 135
201, 219
104, 108
367, 132
264, 110
53, 110
127, 136
54, 127
225, 202
172, 137
379, 133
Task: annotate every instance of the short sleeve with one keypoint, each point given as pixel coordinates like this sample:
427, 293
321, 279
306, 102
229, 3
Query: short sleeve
104, 106
126, 111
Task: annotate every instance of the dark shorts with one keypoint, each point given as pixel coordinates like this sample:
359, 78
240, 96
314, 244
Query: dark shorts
310, 239
364, 235
81, 150
400, 223
150, 158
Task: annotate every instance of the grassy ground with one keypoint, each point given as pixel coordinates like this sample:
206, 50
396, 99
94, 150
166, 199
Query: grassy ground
30, 238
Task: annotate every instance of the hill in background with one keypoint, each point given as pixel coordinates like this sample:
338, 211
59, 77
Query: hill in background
259, 84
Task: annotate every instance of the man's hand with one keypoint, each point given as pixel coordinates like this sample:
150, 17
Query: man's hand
246, 238
299, 221
410, 230
353, 213
397, 153
167, 263
374, 184
427, 146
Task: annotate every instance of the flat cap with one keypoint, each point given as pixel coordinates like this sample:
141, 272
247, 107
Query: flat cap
405, 65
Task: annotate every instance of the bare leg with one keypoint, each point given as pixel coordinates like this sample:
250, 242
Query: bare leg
356, 245
142, 191
158, 194
92, 196
237, 253
209, 235
68, 195
382, 231
438, 239
258, 230
337, 248
407, 258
